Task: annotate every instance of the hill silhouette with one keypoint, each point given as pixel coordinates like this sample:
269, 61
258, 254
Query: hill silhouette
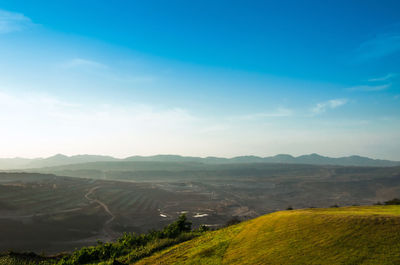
313, 159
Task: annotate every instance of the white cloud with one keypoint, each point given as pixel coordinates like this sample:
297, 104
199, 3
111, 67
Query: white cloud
330, 104
215, 128
375, 84
279, 112
10, 22
370, 87
383, 78
80, 62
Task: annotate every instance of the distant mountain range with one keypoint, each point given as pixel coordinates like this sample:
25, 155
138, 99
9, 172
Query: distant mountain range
314, 159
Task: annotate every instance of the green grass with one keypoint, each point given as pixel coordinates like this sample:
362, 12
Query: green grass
348, 235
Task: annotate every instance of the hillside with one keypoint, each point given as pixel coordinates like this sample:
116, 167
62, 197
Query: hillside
350, 235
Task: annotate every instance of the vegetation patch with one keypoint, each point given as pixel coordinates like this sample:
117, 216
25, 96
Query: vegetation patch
126, 250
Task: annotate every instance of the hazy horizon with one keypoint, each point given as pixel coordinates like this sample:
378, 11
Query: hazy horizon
171, 154
200, 78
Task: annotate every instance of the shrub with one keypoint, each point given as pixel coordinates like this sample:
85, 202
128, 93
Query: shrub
234, 220
132, 247
176, 228
394, 201
203, 228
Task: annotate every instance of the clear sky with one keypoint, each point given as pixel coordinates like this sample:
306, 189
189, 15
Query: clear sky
204, 78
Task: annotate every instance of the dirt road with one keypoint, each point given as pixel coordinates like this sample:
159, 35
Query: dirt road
109, 234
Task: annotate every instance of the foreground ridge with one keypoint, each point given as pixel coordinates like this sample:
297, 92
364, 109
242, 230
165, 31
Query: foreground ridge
337, 235
347, 235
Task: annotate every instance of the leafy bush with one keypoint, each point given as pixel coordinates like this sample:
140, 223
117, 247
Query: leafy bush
132, 247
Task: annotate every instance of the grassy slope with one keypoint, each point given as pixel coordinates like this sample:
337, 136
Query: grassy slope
350, 235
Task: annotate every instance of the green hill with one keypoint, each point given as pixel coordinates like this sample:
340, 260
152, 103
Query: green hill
350, 235
347, 235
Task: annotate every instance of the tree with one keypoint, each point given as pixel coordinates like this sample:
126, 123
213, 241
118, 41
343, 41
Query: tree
183, 224
176, 228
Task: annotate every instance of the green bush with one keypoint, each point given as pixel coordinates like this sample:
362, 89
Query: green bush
132, 247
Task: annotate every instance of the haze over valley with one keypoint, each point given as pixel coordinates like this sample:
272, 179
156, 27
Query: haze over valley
313, 159
99, 200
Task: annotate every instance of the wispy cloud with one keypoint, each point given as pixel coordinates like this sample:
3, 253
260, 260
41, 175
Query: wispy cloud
326, 105
214, 128
370, 87
106, 71
39, 124
375, 84
383, 78
279, 112
53, 110
10, 22
64, 120
378, 47
80, 62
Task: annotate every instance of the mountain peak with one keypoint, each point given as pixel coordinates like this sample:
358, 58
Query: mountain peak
57, 156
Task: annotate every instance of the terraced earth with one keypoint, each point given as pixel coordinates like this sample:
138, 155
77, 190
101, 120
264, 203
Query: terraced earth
48, 213
51, 213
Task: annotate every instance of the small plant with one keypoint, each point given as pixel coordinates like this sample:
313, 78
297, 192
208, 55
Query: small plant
203, 228
234, 220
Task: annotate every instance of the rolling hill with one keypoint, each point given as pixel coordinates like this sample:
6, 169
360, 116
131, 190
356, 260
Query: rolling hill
56, 160
349, 235
312, 159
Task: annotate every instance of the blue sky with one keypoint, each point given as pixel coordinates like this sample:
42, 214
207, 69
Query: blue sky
220, 78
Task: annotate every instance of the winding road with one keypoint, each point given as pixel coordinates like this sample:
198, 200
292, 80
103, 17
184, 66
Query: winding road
109, 234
